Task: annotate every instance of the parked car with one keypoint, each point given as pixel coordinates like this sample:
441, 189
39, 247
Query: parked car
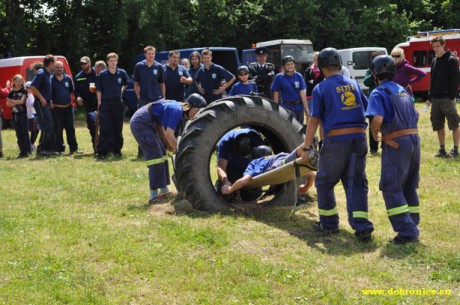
358, 60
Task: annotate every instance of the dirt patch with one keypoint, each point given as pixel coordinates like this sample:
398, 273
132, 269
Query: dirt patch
173, 207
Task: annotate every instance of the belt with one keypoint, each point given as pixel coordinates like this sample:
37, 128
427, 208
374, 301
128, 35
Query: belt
292, 103
388, 138
344, 131
62, 106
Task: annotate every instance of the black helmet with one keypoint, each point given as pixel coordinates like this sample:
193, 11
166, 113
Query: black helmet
286, 59
383, 64
329, 57
261, 151
243, 144
243, 69
195, 100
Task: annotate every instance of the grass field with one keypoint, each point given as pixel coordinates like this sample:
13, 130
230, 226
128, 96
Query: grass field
74, 230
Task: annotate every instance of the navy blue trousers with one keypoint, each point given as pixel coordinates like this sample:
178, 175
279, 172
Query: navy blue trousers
143, 130
45, 120
345, 161
111, 113
64, 120
21, 127
399, 182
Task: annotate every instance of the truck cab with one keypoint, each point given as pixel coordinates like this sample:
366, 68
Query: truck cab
300, 49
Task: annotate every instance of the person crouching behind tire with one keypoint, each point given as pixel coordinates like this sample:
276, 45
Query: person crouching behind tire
233, 155
153, 127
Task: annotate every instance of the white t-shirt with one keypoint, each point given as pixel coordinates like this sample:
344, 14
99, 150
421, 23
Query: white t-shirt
30, 106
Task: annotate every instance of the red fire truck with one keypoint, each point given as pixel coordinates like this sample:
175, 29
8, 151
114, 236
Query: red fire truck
21, 65
419, 53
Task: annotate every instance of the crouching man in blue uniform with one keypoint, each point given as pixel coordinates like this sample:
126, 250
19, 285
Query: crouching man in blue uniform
153, 127
396, 118
339, 104
233, 155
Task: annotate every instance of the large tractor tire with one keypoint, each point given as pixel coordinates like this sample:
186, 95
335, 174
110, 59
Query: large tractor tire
201, 135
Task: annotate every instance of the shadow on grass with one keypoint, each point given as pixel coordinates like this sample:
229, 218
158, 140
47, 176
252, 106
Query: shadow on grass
298, 224
402, 251
38, 157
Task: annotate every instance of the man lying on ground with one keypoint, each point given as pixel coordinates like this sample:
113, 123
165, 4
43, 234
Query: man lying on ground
264, 161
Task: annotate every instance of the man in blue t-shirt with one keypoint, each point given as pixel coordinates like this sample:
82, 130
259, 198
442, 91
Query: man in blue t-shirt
210, 77
176, 77
149, 81
41, 89
110, 85
153, 127
264, 162
61, 88
395, 117
289, 89
339, 105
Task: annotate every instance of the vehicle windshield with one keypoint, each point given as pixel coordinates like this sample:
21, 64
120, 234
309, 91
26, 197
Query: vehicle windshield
362, 60
301, 52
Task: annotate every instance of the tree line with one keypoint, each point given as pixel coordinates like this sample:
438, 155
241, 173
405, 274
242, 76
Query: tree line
95, 27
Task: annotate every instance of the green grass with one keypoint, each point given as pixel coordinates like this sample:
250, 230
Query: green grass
77, 231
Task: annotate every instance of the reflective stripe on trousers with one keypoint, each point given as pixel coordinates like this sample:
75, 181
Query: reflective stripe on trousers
156, 161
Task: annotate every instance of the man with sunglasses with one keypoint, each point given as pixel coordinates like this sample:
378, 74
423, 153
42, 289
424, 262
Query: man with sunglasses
84, 95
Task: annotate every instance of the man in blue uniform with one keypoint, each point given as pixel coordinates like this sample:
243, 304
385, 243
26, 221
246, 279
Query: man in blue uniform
110, 85
262, 72
233, 156
41, 89
86, 95
263, 162
149, 81
176, 77
395, 117
153, 127
62, 87
339, 105
209, 78
289, 89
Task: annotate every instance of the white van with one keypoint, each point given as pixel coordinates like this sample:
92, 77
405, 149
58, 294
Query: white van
358, 60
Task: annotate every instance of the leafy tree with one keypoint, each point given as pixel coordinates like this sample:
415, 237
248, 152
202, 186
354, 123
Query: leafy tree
96, 27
